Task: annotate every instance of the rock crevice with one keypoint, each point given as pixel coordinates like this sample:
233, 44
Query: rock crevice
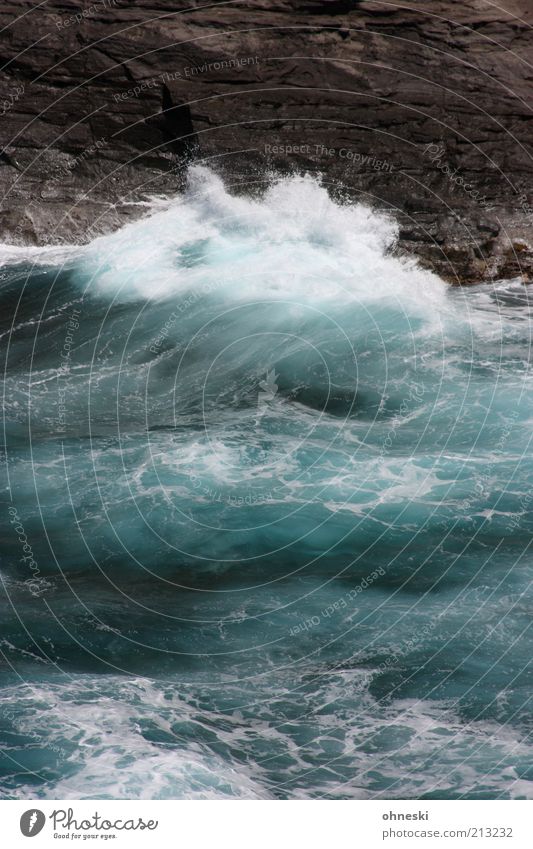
422, 110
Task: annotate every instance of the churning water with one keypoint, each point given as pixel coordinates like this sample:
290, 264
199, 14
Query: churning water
267, 512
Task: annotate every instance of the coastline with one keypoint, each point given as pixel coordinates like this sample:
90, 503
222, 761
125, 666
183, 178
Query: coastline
425, 115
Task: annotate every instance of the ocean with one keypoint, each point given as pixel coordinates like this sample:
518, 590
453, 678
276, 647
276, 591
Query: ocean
267, 511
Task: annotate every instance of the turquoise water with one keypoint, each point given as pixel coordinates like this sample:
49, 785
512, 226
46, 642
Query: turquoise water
266, 512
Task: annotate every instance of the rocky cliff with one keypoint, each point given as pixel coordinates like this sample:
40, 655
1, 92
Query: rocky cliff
420, 108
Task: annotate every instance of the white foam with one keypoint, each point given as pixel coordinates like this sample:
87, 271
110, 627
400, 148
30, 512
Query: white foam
137, 738
43, 255
295, 241
97, 730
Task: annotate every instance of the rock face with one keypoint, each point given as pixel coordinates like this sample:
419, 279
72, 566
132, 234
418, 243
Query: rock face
423, 109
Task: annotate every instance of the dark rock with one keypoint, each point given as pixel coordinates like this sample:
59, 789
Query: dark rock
424, 110
178, 122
